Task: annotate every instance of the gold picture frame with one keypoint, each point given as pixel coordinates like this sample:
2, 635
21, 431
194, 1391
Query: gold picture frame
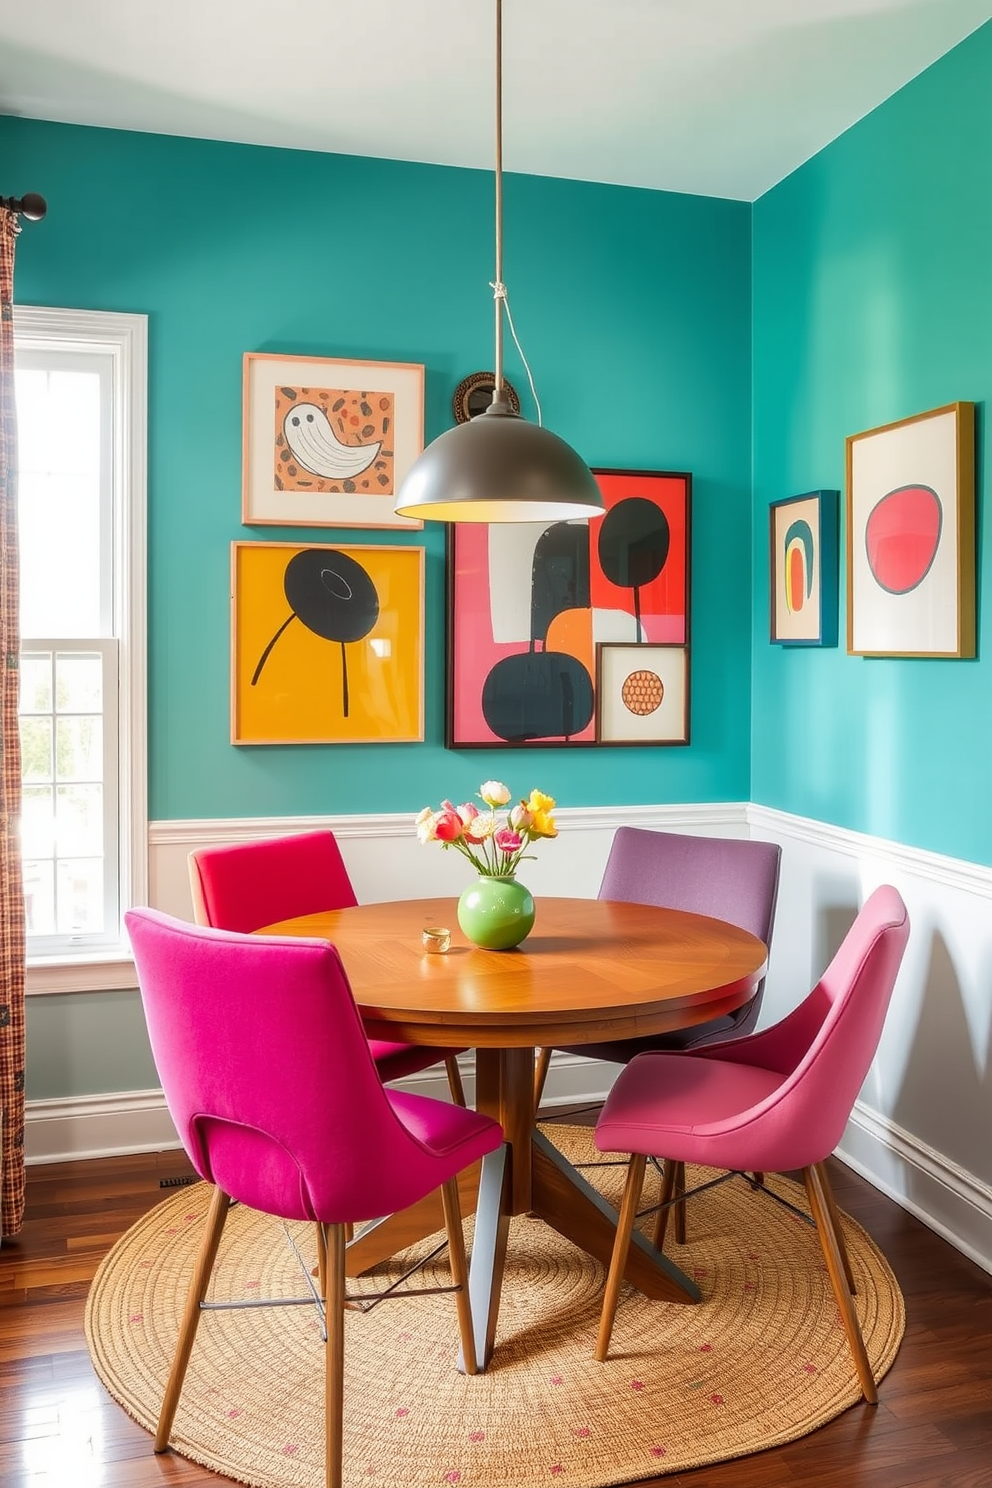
327, 643
328, 442
911, 536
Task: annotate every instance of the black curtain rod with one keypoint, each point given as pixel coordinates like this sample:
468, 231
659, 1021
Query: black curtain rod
31, 205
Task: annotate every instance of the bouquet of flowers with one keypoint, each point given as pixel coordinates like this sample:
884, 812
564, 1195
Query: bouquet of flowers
493, 844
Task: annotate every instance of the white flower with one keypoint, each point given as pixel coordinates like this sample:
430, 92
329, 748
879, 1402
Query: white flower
425, 827
494, 792
483, 826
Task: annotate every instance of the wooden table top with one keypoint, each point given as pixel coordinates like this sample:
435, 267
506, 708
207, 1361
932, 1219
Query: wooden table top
589, 969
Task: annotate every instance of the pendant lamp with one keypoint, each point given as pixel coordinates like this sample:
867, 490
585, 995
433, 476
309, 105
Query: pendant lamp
498, 467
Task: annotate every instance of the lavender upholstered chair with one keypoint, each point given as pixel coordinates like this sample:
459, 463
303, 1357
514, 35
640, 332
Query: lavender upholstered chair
252, 884
293, 1120
776, 1100
725, 877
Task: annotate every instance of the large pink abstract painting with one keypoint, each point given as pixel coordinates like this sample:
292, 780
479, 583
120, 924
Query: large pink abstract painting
530, 605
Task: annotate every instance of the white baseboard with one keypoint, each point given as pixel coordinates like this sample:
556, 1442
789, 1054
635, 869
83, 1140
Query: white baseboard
78, 1127
948, 1200
81, 1126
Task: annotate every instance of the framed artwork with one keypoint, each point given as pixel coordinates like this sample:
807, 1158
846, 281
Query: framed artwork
642, 694
530, 605
327, 644
911, 536
803, 569
327, 443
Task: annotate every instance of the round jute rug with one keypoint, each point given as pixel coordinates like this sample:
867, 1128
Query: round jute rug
761, 1360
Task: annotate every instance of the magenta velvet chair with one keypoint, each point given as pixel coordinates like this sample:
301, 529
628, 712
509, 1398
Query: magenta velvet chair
774, 1101
252, 884
293, 1121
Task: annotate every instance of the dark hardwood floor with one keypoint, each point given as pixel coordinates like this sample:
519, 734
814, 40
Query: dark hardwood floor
59, 1428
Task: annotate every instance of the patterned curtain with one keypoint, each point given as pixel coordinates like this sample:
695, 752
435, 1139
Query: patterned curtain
11, 892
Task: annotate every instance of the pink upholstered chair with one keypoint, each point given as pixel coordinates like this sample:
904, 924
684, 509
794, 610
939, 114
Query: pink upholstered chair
776, 1100
252, 884
294, 1121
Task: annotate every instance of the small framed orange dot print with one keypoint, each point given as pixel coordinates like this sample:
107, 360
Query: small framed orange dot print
642, 694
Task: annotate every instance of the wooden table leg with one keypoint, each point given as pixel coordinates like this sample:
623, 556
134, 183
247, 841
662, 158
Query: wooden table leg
504, 1090
569, 1204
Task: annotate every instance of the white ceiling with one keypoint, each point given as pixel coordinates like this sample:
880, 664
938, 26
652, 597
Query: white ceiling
719, 97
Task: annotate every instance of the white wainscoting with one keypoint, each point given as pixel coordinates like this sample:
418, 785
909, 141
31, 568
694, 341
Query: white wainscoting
919, 1131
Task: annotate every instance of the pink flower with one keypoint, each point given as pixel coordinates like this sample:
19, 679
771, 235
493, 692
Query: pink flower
468, 812
507, 841
521, 817
448, 825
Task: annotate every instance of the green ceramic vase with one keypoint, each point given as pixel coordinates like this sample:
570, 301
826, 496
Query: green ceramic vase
496, 913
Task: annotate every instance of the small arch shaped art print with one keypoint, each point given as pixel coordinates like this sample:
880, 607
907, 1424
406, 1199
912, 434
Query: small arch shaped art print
803, 569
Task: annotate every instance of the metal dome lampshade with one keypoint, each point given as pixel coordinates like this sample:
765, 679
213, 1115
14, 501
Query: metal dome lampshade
498, 467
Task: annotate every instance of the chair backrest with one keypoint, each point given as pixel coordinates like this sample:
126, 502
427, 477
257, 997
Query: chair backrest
252, 884
730, 878
825, 1046
268, 1075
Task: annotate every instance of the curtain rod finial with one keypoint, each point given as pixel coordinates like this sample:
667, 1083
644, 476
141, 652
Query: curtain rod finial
31, 205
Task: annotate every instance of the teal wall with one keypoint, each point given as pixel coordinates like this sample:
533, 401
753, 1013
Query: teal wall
873, 302
633, 308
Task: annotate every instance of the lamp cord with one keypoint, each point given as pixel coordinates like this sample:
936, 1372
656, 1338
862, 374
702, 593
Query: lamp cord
500, 293
497, 286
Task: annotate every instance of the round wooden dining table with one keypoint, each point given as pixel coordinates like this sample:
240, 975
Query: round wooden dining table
590, 970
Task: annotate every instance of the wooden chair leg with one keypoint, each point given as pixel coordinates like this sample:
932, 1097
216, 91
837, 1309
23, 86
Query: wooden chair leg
667, 1189
219, 1204
680, 1205
621, 1245
334, 1358
455, 1080
835, 1266
459, 1272
541, 1074
835, 1220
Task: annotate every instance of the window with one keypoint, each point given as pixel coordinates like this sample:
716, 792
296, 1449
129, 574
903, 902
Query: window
80, 379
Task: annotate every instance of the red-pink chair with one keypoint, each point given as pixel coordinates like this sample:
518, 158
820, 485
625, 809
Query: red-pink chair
285, 1111
249, 885
774, 1101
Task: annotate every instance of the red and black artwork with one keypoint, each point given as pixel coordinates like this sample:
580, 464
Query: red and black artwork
532, 605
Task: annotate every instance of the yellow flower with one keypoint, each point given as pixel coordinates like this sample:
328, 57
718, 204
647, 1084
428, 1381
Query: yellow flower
543, 824
540, 802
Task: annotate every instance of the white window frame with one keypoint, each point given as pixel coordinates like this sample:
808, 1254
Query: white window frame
124, 338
